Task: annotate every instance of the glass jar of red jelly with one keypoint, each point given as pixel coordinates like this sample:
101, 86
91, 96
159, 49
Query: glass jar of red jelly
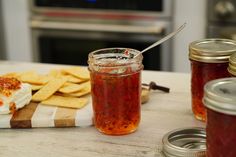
232, 65
209, 61
116, 89
220, 102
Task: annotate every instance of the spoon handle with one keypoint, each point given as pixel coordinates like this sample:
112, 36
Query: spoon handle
163, 39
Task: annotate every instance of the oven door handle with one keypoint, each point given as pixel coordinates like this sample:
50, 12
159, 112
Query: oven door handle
157, 29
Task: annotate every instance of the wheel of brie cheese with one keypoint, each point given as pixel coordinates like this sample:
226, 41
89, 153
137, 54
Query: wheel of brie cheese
13, 95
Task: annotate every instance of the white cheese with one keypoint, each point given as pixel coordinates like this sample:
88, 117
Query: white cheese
20, 97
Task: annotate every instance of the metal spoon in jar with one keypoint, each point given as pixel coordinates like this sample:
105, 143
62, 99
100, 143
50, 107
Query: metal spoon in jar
162, 40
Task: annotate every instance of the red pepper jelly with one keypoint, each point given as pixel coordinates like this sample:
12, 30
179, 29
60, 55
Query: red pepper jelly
220, 101
209, 60
116, 90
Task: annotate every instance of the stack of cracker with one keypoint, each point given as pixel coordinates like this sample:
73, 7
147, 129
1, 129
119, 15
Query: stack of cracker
60, 87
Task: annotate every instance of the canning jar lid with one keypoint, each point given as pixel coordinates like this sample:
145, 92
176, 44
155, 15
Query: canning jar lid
232, 64
220, 95
212, 50
185, 142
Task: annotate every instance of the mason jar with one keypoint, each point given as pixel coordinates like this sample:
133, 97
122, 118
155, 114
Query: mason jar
220, 101
209, 60
116, 89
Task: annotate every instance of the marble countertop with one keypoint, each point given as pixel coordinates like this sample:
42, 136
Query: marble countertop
163, 113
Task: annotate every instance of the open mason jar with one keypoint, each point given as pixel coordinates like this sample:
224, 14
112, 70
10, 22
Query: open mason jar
116, 89
209, 60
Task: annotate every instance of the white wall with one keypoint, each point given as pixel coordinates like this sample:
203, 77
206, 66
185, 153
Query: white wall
194, 13
17, 32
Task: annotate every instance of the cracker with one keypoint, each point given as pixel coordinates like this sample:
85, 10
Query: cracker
12, 74
49, 89
67, 87
81, 73
36, 87
86, 84
70, 102
85, 90
73, 79
70, 88
55, 73
70, 78
33, 78
80, 93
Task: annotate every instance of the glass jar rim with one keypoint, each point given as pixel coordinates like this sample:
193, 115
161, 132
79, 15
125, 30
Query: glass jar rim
124, 59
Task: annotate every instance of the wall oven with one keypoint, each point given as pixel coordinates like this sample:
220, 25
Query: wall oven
65, 31
222, 19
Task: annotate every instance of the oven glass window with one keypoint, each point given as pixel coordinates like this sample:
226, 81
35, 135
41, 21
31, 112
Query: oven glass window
141, 5
75, 51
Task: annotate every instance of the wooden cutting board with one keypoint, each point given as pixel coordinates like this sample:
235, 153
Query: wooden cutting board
37, 115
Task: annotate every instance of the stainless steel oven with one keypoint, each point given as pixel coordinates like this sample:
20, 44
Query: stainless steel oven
66, 31
222, 19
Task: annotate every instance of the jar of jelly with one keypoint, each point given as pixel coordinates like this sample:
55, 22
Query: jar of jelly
209, 61
232, 65
220, 101
116, 89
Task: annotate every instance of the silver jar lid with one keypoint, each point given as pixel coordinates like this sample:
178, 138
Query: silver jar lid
220, 95
212, 50
185, 142
232, 64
